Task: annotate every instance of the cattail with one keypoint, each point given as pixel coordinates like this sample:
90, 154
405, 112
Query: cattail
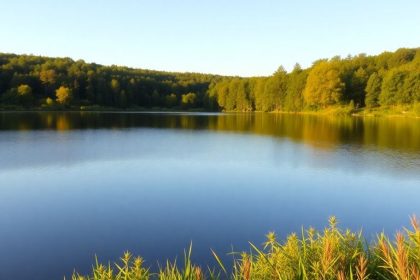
341, 275
198, 273
361, 268
415, 273
402, 257
327, 257
384, 249
246, 269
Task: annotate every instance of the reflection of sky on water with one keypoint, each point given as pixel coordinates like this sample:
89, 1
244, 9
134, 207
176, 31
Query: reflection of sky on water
44, 148
65, 196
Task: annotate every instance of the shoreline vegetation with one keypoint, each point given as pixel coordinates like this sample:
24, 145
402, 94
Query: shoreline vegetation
331, 254
397, 111
361, 85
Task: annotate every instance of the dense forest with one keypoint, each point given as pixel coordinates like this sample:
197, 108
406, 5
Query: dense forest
34, 81
359, 81
388, 79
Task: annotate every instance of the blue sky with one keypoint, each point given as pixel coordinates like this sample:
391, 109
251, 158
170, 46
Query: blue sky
244, 38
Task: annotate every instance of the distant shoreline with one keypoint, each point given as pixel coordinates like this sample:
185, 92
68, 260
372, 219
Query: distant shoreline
332, 112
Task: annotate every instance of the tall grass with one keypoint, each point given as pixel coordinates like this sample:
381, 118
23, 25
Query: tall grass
331, 254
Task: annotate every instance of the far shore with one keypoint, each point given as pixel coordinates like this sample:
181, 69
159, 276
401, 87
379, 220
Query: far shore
395, 112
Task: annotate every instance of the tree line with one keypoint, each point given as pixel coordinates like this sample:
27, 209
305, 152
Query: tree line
34, 81
387, 79
391, 78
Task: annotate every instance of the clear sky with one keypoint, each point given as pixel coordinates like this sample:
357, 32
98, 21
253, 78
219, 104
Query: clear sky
214, 36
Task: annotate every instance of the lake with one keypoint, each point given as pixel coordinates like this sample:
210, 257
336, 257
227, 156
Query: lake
73, 185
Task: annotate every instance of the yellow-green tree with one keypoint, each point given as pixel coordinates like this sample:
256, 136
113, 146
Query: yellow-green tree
220, 91
392, 86
275, 91
49, 101
295, 87
189, 100
64, 95
373, 89
48, 76
24, 90
324, 85
25, 94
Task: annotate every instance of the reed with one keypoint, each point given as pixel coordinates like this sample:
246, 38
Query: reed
331, 254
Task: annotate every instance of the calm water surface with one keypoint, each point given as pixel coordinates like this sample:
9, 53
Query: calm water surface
73, 185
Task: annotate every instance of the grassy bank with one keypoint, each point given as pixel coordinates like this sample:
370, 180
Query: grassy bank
410, 111
331, 254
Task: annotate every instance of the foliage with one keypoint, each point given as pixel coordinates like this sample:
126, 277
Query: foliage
93, 84
189, 100
324, 86
24, 90
25, 95
373, 89
295, 88
49, 101
64, 95
386, 80
332, 254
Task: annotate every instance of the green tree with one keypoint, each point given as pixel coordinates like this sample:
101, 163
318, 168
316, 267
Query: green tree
243, 102
189, 100
275, 91
295, 87
391, 86
373, 90
358, 84
324, 86
400, 57
258, 91
220, 90
411, 86
232, 93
